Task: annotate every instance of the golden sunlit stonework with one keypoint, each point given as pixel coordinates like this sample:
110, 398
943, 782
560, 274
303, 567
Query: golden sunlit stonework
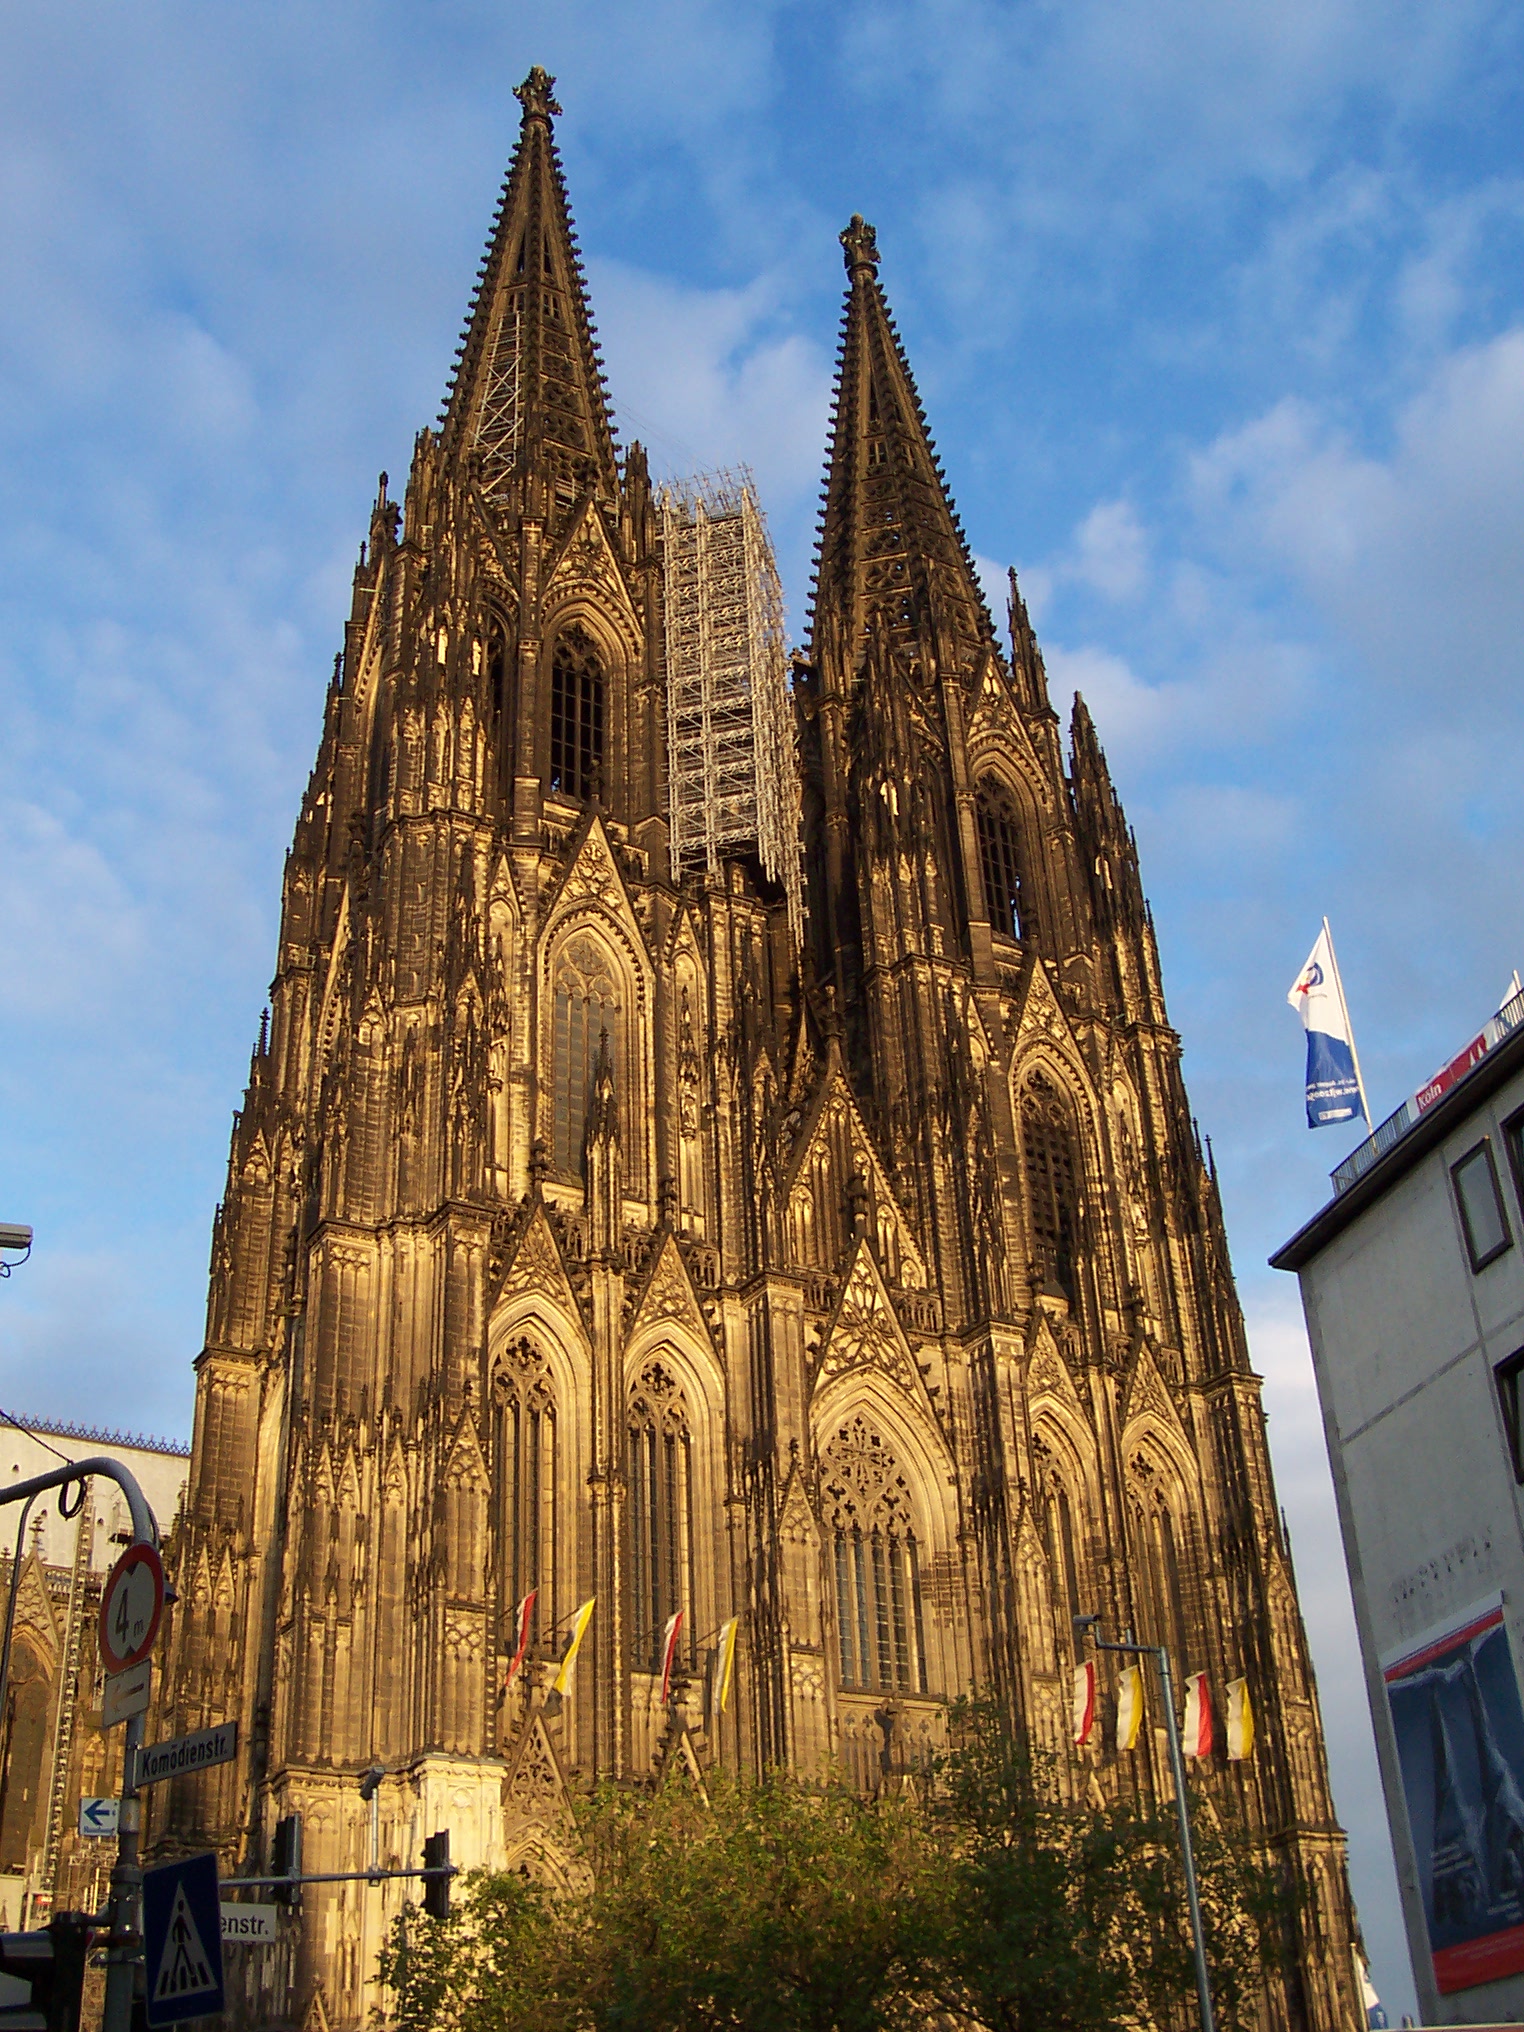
628, 1224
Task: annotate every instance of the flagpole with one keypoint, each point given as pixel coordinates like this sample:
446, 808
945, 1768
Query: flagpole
1349, 1031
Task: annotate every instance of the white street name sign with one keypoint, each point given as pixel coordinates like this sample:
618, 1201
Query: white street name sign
249, 1922
127, 1693
98, 1816
196, 1752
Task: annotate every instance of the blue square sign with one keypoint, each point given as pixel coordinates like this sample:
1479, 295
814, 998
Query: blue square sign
182, 1940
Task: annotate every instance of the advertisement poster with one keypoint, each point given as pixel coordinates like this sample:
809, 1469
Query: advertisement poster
1460, 1741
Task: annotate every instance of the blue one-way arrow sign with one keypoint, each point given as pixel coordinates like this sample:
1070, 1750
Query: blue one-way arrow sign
98, 1816
182, 1940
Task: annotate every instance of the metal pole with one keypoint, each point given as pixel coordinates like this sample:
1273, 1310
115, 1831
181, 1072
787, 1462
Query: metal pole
1182, 1809
126, 1949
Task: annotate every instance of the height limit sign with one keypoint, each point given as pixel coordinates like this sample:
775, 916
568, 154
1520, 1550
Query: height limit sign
131, 1604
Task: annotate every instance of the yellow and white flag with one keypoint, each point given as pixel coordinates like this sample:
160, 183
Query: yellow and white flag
1240, 1720
562, 1681
1129, 1706
725, 1664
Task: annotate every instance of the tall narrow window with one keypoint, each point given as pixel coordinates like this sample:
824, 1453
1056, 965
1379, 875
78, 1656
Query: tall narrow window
1047, 1148
1000, 857
525, 1408
576, 717
497, 672
1062, 1563
660, 1513
586, 1006
880, 1638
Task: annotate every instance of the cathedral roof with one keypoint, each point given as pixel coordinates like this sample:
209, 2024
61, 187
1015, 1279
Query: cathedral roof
529, 373
891, 544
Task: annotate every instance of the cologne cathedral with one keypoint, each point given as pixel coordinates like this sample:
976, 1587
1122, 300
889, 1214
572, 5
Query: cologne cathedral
717, 1150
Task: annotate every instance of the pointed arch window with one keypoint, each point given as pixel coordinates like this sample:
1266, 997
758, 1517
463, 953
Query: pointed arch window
660, 1464
1000, 859
586, 1006
576, 716
497, 671
1048, 1154
875, 1565
524, 1433
1159, 1590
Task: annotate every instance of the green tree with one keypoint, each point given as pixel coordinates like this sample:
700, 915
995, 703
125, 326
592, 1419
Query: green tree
983, 1898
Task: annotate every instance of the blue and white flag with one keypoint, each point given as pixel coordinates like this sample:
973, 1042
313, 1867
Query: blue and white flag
1333, 1083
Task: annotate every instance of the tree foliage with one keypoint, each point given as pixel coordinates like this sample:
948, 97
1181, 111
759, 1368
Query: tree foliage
982, 1898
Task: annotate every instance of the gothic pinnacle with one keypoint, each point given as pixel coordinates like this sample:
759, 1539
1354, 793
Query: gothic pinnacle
860, 243
536, 95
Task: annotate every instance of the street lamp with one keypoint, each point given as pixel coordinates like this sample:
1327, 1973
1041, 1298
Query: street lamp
1086, 1627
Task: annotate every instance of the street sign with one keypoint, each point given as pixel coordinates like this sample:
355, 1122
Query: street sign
131, 1604
197, 1752
182, 1940
98, 1816
249, 1922
127, 1693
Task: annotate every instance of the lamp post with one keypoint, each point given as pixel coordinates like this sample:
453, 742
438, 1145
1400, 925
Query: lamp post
1085, 1627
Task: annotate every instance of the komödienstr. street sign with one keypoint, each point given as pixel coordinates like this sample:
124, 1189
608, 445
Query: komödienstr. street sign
195, 1752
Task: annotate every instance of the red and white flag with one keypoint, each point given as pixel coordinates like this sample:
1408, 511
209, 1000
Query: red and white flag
669, 1638
1198, 1716
523, 1616
1084, 1702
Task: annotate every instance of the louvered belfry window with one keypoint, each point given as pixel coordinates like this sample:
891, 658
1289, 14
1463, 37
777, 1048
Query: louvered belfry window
881, 1645
1000, 856
576, 717
660, 1513
1047, 1148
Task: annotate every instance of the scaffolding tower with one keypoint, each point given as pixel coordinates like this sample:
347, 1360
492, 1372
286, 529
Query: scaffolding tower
730, 727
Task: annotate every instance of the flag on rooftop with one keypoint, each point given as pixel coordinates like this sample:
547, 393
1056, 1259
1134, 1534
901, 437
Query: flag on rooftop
1335, 1091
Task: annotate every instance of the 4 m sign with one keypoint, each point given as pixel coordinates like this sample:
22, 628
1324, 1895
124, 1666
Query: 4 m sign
131, 1605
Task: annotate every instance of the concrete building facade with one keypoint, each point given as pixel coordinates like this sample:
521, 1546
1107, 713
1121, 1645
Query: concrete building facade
1412, 1282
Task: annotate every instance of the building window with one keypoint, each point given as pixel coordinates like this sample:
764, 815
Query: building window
576, 717
1062, 1563
526, 1480
497, 672
1481, 1205
1000, 857
881, 1645
1047, 1148
1509, 1375
586, 1008
660, 1513
1513, 1139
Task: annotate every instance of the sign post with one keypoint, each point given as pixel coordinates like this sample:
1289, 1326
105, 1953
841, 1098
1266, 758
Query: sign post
182, 1940
132, 1604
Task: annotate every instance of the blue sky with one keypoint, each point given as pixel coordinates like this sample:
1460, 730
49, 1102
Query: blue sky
1218, 315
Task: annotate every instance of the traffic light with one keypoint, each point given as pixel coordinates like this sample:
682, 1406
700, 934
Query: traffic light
53, 1963
286, 1861
436, 1890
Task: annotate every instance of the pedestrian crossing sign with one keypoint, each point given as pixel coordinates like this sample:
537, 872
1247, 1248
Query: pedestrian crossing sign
182, 1940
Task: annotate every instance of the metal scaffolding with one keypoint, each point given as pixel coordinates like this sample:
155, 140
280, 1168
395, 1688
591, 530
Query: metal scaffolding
730, 726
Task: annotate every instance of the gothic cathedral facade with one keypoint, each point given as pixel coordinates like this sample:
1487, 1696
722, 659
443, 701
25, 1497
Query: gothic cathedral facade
843, 1262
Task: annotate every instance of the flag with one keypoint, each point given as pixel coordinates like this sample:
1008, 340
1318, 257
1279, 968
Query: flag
1084, 1702
669, 1651
725, 1663
1333, 1079
1240, 1720
1198, 1716
1129, 1706
523, 1616
562, 1681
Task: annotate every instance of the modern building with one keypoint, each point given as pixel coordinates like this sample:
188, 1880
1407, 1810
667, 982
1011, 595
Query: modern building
718, 1151
53, 1751
1413, 1284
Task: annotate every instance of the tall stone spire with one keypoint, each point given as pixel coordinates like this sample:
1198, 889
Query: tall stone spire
890, 542
529, 377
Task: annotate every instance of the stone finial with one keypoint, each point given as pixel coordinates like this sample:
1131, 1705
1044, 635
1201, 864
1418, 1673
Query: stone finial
536, 95
861, 244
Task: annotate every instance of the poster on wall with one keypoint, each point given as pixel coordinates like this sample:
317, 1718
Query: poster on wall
1460, 1741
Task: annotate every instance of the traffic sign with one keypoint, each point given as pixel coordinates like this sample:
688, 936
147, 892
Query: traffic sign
98, 1816
195, 1752
127, 1693
131, 1604
249, 1922
182, 1940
